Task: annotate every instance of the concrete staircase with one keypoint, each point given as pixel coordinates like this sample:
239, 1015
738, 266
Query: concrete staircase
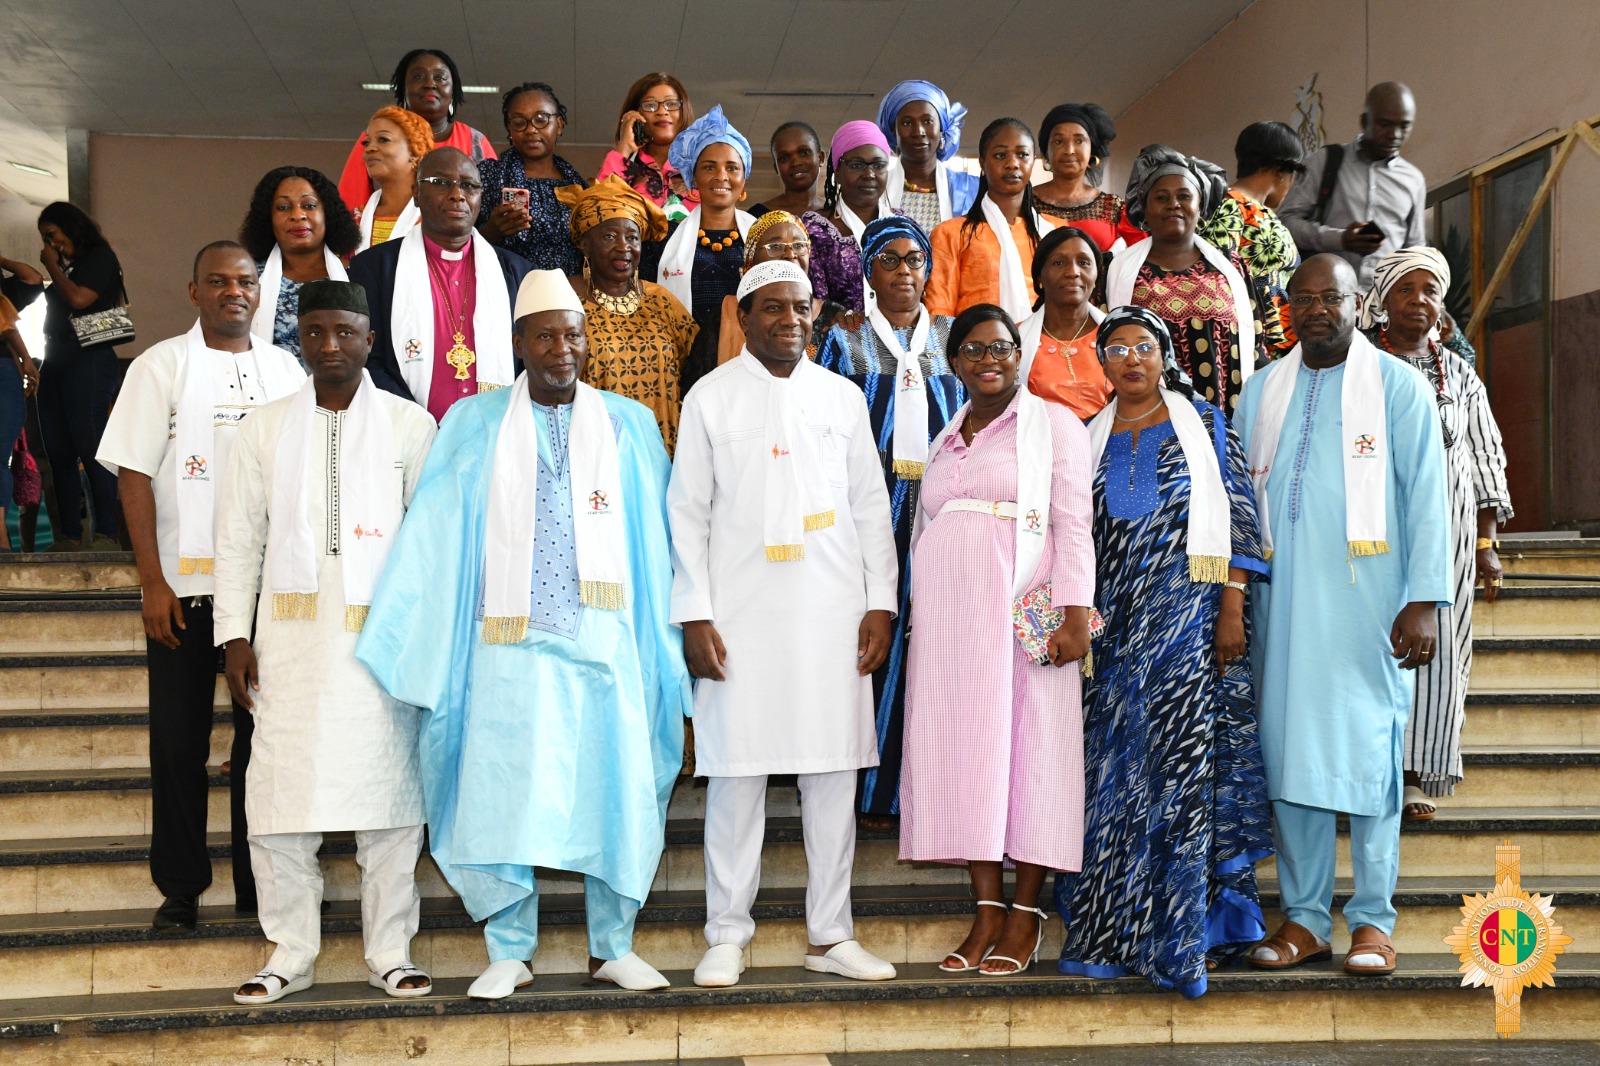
82, 978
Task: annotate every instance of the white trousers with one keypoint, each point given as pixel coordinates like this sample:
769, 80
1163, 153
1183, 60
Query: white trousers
289, 892
736, 820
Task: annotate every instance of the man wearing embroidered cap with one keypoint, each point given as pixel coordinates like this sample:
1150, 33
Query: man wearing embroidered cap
317, 485
526, 614
785, 589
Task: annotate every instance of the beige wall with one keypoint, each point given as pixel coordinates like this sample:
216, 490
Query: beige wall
1487, 75
159, 199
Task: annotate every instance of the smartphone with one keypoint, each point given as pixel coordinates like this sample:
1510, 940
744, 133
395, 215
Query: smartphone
640, 133
1371, 229
520, 197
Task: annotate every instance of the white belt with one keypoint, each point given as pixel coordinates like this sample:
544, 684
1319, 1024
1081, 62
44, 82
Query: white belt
1006, 510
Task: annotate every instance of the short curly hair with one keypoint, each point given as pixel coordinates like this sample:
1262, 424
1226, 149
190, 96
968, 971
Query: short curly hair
255, 233
415, 128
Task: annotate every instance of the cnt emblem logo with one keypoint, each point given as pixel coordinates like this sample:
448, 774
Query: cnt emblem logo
195, 466
598, 502
1365, 446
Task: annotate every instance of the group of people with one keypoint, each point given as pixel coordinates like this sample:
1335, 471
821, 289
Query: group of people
1085, 535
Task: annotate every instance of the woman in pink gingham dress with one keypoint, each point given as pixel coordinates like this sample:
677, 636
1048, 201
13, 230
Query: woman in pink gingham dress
993, 741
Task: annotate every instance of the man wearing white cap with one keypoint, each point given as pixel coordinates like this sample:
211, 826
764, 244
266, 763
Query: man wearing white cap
784, 585
525, 611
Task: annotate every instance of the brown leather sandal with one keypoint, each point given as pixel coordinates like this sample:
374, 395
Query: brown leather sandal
1294, 945
1370, 940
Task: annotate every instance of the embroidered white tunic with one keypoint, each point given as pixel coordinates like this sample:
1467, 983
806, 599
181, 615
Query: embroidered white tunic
792, 701
332, 751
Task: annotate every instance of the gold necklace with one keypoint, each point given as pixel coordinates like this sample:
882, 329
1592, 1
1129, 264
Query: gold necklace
624, 305
459, 356
1071, 346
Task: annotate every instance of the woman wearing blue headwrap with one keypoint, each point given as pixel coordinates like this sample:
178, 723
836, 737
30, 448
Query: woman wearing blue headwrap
704, 257
897, 357
1175, 811
924, 127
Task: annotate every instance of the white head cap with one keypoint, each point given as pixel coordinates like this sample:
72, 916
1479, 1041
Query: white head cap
770, 272
545, 290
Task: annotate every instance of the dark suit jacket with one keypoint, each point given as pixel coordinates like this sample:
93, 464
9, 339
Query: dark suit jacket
374, 270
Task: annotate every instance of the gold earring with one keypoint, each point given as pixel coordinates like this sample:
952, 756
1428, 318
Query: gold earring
1094, 162
742, 195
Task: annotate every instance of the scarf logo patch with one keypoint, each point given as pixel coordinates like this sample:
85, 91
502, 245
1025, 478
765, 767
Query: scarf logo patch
908, 380
598, 502
361, 531
195, 467
779, 453
1365, 446
673, 273
413, 351
1032, 521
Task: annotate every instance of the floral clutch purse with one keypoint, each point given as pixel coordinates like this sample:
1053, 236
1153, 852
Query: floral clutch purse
1034, 620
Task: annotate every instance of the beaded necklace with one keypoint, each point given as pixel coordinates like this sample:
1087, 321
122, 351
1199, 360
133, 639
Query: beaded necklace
1437, 355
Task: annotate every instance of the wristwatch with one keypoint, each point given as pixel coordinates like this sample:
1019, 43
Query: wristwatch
1240, 585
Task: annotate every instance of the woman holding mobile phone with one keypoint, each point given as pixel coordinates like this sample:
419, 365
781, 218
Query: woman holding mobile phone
520, 211
654, 112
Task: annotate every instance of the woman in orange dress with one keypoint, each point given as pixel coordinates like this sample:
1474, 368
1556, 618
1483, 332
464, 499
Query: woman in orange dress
1059, 361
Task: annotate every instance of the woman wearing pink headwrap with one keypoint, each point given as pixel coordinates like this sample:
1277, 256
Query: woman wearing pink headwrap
853, 195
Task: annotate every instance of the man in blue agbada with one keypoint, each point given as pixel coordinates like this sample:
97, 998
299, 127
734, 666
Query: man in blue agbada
524, 609
1347, 460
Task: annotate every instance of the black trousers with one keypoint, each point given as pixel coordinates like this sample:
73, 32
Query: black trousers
182, 690
76, 391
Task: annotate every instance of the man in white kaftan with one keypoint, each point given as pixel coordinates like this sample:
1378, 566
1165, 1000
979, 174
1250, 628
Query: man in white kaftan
525, 612
168, 440
316, 491
1348, 462
785, 580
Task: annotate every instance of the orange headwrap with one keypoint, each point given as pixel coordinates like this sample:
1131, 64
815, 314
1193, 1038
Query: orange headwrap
415, 128
608, 199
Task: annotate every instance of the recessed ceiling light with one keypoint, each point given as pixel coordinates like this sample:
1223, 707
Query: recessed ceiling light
383, 87
26, 169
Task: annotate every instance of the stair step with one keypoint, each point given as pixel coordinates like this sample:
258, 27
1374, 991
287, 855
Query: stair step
72, 623
1539, 611
786, 1010
68, 572
1568, 557
1533, 718
1538, 663
78, 680
73, 739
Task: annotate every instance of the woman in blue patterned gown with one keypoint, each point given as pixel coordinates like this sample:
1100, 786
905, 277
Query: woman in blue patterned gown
895, 258
1176, 807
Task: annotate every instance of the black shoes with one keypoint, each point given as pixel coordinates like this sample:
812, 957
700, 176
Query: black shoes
177, 916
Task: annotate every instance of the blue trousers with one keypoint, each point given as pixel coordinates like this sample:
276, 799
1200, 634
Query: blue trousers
513, 933
1306, 839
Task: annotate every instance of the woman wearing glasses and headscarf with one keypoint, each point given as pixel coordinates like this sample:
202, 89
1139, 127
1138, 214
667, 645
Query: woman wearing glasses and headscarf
1201, 293
924, 128
993, 764
520, 211
898, 359
1176, 802
1401, 315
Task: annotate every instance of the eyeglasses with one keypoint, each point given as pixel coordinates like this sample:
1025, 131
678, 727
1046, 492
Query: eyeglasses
861, 166
782, 248
1118, 353
890, 261
1329, 299
973, 351
468, 187
541, 120
671, 107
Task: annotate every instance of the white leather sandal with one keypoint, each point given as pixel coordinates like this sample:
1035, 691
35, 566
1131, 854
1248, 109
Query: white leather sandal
968, 967
1021, 967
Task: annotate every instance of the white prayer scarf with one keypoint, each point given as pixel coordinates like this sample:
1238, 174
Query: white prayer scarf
370, 506
1014, 296
195, 441
1032, 331
896, 191
409, 216
910, 393
411, 318
675, 272
858, 228
797, 498
262, 322
1364, 416
1035, 462
599, 526
1210, 535
1123, 273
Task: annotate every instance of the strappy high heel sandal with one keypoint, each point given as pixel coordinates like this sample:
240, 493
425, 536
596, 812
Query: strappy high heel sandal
1021, 967
968, 967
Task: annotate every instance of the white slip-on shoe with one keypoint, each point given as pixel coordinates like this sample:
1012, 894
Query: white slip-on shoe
633, 973
277, 985
850, 959
720, 967
500, 980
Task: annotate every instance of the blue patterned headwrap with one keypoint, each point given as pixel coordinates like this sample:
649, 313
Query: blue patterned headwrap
951, 116
1130, 315
884, 231
710, 128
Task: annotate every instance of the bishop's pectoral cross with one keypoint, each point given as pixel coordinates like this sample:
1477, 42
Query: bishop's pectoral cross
460, 356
